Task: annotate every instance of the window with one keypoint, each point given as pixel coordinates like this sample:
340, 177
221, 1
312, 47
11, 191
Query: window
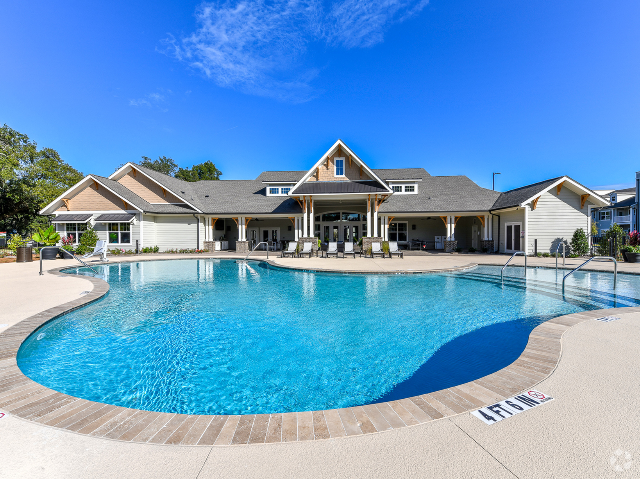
285, 191
614, 198
119, 233
397, 189
339, 162
409, 189
76, 230
623, 212
404, 189
605, 215
398, 231
274, 191
331, 217
350, 217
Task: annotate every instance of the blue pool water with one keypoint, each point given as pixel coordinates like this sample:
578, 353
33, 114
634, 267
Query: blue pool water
212, 336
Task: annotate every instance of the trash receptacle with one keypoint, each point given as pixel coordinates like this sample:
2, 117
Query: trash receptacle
24, 254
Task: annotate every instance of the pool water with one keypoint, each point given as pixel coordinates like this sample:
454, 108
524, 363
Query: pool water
210, 336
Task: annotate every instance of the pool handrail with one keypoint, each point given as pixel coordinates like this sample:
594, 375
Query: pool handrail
564, 254
606, 258
509, 261
256, 247
64, 251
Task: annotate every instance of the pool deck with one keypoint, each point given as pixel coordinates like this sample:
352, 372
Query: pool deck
589, 429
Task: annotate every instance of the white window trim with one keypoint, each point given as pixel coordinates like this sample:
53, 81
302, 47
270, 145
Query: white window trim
279, 186
522, 240
404, 185
119, 233
600, 218
76, 236
335, 167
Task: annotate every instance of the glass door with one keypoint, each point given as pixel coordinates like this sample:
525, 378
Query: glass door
512, 235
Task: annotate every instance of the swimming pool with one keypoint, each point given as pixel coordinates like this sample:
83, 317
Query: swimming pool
212, 336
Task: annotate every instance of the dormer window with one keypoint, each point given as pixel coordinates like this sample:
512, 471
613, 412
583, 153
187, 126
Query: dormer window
397, 188
339, 167
274, 191
282, 189
285, 191
404, 188
614, 198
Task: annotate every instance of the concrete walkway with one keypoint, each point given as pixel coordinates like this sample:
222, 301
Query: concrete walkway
589, 430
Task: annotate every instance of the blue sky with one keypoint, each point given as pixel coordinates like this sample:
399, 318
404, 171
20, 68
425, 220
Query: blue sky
530, 89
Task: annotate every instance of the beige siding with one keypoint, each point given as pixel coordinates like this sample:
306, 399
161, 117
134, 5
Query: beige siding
515, 216
147, 189
90, 199
325, 171
556, 218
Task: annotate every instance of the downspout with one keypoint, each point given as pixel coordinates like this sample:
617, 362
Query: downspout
197, 230
492, 214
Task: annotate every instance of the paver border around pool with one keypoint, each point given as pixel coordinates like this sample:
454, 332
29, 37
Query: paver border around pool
29, 400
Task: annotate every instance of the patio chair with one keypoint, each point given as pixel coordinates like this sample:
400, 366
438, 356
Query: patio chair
100, 249
376, 248
291, 250
332, 249
393, 249
348, 249
306, 249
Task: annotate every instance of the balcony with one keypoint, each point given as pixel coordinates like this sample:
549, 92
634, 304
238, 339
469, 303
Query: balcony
623, 219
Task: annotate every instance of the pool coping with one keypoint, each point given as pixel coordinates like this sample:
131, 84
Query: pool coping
29, 400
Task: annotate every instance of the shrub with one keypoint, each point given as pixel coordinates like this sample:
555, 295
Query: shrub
385, 247
472, 250
579, 243
594, 229
546, 255
634, 238
150, 249
47, 237
458, 249
614, 234
88, 241
117, 251
15, 242
67, 243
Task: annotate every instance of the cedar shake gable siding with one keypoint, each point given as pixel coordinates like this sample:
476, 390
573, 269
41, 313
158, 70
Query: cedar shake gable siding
90, 199
326, 170
147, 189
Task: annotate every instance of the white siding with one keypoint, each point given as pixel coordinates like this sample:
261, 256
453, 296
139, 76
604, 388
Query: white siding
499, 235
149, 231
175, 232
556, 218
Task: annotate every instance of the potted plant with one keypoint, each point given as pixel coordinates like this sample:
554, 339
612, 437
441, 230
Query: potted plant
47, 237
631, 252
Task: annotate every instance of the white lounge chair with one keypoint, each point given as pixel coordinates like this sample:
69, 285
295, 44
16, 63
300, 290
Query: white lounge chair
306, 249
393, 249
100, 249
376, 249
291, 249
348, 249
332, 249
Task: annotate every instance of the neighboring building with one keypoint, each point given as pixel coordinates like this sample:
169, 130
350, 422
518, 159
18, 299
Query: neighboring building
339, 199
622, 210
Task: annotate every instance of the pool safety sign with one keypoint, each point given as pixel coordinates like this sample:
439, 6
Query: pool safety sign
512, 406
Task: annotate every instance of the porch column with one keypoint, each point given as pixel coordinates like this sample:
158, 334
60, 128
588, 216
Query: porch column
486, 228
296, 227
305, 226
369, 215
311, 219
239, 218
375, 216
452, 228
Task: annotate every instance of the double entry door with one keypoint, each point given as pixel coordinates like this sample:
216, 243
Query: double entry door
340, 231
512, 235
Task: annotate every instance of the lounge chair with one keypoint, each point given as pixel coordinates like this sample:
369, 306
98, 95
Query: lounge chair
393, 249
306, 249
100, 249
348, 249
376, 249
291, 250
332, 249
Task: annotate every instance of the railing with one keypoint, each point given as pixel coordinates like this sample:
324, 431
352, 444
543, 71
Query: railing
623, 219
64, 251
256, 247
597, 258
517, 253
564, 254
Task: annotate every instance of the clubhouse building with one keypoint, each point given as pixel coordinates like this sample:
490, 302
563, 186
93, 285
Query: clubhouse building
338, 199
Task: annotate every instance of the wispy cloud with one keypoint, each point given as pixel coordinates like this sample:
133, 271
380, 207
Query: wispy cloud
152, 99
259, 47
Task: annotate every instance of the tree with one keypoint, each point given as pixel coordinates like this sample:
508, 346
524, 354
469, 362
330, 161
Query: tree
203, 171
161, 165
29, 180
594, 229
579, 243
611, 240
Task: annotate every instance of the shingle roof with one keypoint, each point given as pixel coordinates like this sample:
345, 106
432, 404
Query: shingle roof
442, 194
292, 176
121, 217
339, 187
401, 173
515, 197
624, 203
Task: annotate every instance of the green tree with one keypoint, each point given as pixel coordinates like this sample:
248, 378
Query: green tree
203, 171
87, 241
30, 178
162, 165
579, 243
594, 229
614, 235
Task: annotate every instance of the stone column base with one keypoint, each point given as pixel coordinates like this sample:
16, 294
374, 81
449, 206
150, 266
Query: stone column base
209, 246
489, 246
309, 239
450, 246
242, 247
367, 240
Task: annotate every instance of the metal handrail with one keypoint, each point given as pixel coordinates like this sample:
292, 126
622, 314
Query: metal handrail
256, 247
607, 258
64, 251
564, 254
512, 256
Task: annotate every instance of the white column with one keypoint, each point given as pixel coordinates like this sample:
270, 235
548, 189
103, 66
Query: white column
375, 217
305, 211
296, 227
369, 216
486, 228
453, 228
526, 230
311, 218
239, 228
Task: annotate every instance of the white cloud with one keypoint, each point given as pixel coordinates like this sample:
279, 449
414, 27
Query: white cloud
151, 99
259, 47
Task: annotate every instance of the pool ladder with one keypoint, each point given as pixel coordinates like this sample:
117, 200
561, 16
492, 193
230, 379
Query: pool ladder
64, 251
597, 258
517, 253
255, 248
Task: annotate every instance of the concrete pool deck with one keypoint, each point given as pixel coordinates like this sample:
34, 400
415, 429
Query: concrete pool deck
592, 419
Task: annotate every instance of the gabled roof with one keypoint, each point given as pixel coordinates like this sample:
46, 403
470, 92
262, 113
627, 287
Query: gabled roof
625, 203
401, 173
339, 144
340, 187
281, 176
521, 196
442, 194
